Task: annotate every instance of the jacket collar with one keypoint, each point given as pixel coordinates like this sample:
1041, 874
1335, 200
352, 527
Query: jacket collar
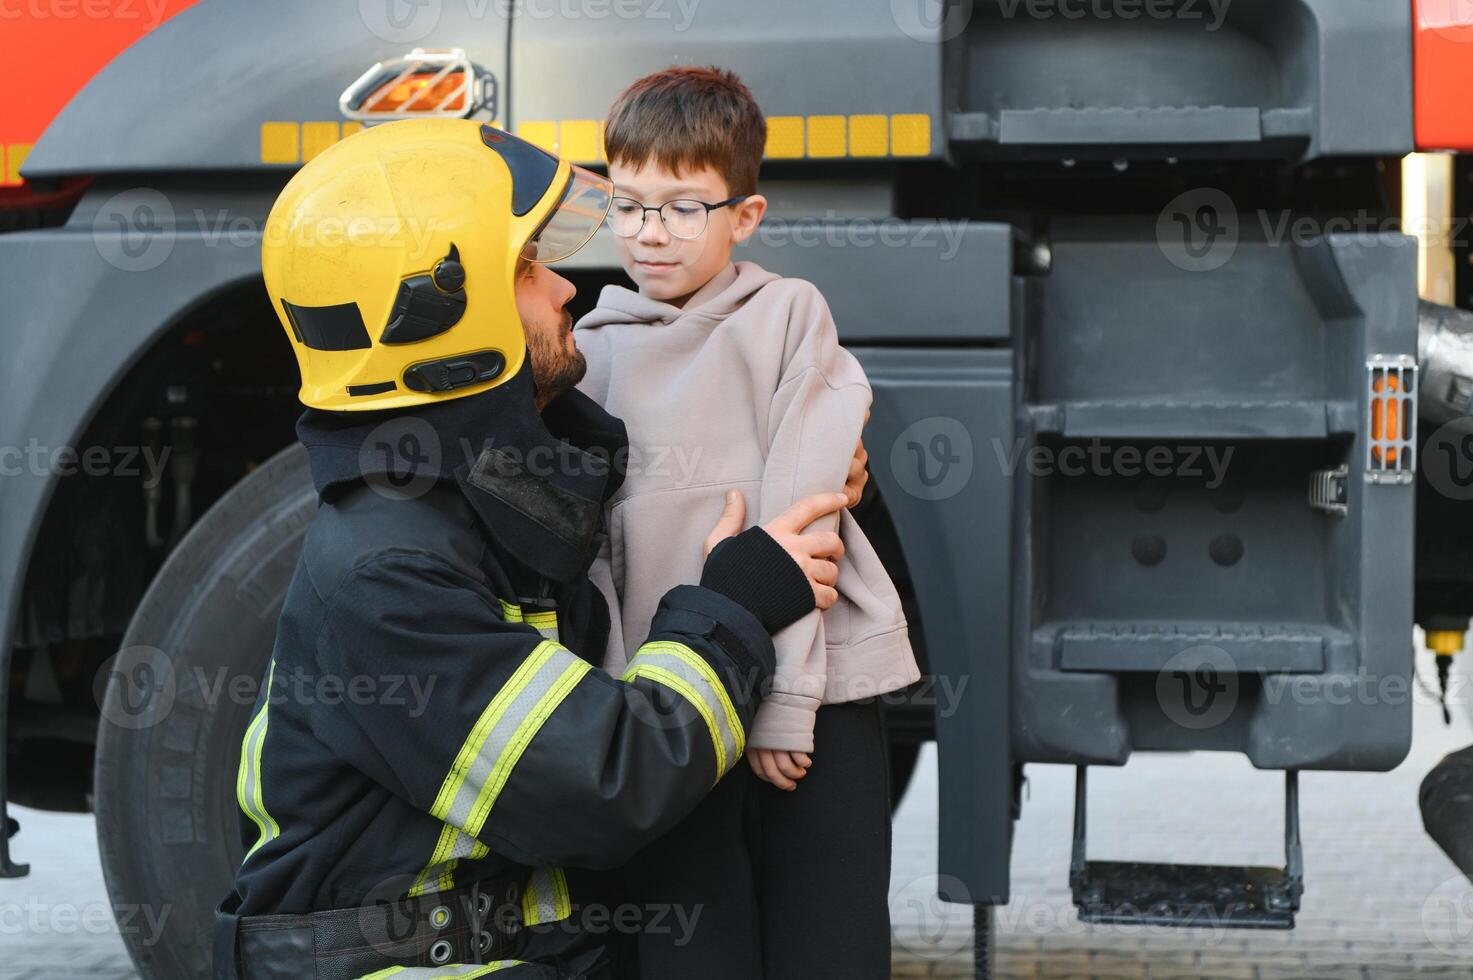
537, 481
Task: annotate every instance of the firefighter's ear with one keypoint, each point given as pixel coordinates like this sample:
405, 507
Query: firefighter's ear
746, 216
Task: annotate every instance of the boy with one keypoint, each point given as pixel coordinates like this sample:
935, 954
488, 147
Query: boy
756, 401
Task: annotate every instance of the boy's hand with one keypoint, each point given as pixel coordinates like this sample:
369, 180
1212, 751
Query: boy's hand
815, 551
858, 471
781, 769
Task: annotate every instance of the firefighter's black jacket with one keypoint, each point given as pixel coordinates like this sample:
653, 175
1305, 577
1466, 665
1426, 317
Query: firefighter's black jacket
434, 713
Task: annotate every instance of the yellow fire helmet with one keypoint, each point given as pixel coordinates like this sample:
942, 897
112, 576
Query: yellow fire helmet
391, 258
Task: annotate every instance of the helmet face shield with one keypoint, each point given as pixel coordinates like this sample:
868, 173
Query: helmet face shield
583, 207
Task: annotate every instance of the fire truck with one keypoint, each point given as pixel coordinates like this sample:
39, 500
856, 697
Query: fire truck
1161, 424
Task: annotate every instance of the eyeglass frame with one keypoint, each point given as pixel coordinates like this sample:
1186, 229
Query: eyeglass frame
645, 209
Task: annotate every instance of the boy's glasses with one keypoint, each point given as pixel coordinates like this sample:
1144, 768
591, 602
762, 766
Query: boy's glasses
683, 219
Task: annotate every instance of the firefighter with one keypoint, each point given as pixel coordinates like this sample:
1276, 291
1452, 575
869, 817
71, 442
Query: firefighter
435, 771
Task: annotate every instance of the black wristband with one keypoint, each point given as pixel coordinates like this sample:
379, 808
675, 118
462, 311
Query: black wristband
754, 570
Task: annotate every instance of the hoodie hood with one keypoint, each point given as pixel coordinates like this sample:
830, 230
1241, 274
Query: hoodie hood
727, 291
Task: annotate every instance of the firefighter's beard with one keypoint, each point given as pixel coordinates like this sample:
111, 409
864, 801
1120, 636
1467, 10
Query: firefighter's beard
557, 363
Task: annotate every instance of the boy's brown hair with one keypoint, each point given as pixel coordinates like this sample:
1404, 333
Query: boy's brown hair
688, 118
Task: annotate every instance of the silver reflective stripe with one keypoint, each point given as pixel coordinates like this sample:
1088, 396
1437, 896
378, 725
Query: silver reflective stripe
466, 970
539, 684
683, 670
546, 897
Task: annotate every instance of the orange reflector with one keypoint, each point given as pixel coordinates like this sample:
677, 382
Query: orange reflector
420, 93
1385, 418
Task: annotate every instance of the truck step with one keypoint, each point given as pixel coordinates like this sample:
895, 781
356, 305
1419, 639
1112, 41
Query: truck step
1224, 896
1184, 895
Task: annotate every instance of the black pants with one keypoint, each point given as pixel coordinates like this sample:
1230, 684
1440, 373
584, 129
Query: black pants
760, 882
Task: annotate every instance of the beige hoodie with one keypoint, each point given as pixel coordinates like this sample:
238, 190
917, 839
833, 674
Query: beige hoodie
745, 388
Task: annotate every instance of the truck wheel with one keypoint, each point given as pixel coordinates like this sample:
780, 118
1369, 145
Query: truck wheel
200, 640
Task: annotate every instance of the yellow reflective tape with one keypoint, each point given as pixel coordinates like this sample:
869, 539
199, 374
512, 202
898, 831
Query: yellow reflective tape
910, 135
523, 735
16, 158
318, 136
546, 897
281, 142
784, 137
826, 136
511, 612
461, 970
542, 619
869, 136
701, 666
472, 745
249, 791
540, 132
578, 140
678, 684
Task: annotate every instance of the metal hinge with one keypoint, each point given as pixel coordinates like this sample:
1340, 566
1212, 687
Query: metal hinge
1327, 490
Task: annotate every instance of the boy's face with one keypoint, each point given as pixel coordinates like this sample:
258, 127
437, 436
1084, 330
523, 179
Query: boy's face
667, 268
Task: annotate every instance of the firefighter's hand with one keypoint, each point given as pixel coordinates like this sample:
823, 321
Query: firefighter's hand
858, 471
816, 552
781, 769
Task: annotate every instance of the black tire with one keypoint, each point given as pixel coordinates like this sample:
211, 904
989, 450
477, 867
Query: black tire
167, 822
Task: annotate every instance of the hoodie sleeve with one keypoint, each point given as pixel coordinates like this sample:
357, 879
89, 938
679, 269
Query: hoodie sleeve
814, 423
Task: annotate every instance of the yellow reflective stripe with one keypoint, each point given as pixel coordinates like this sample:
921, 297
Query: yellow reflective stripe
472, 745
462, 970
546, 898
702, 667
248, 790
453, 838
545, 706
511, 612
491, 751
678, 684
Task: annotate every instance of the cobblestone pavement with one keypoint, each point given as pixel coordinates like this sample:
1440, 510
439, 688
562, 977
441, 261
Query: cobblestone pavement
1381, 901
